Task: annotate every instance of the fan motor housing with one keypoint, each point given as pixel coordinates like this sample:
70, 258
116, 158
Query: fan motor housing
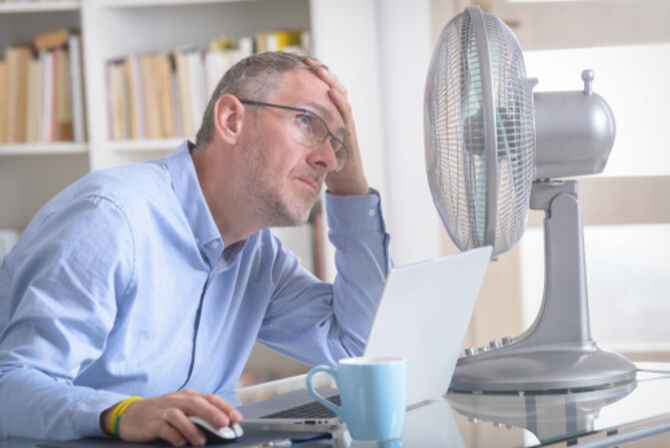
574, 134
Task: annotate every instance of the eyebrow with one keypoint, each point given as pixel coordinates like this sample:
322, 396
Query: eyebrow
323, 113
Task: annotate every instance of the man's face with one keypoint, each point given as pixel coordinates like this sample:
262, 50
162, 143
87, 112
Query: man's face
285, 175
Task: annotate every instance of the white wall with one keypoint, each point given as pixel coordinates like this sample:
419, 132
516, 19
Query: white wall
405, 38
380, 51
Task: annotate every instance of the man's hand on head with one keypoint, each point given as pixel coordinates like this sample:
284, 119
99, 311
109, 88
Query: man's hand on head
165, 417
351, 180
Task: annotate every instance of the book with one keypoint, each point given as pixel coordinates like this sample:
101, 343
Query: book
120, 107
135, 97
245, 48
174, 85
221, 43
306, 42
62, 130
3, 99
34, 101
318, 242
51, 40
150, 96
184, 90
223, 53
216, 64
260, 42
17, 90
287, 38
196, 77
281, 40
162, 65
76, 89
46, 59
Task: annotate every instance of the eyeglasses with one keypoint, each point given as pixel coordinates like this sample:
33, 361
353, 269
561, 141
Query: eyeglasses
312, 130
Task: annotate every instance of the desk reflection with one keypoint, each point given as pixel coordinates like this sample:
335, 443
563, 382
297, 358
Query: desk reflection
426, 426
550, 417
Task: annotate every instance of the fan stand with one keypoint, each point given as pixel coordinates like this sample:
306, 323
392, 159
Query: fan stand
556, 353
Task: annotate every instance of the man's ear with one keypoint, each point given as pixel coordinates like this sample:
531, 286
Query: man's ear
228, 118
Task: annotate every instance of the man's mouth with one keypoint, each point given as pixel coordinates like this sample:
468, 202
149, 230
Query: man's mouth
310, 182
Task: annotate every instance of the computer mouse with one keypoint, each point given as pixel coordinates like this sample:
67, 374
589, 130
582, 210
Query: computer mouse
221, 435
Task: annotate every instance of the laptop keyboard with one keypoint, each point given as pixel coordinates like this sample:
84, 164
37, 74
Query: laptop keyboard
312, 409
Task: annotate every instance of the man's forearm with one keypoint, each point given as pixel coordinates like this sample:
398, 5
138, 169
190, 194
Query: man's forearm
35, 405
362, 260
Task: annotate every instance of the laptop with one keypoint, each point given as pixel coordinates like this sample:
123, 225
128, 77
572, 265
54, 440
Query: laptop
423, 315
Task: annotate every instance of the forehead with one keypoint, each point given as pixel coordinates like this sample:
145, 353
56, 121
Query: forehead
302, 88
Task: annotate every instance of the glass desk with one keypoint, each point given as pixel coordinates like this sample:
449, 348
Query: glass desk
599, 418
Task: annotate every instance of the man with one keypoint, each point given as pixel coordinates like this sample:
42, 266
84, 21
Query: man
155, 279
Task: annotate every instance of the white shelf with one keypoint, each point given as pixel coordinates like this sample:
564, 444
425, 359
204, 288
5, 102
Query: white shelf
22, 149
149, 3
159, 144
22, 7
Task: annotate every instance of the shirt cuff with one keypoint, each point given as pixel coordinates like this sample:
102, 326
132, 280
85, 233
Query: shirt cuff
358, 213
86, 415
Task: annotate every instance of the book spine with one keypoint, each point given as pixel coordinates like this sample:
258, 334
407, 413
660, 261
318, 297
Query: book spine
165, 95
33, 100
17, 90
3, 100
46, 66
76, 89
198, 90
185, 94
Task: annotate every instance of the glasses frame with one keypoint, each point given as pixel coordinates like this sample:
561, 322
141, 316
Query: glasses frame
308, 112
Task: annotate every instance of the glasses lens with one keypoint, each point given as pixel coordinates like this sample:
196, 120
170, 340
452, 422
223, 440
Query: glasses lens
312, 128
315, 131
341, 153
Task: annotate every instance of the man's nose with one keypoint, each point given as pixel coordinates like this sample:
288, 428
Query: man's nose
324, 156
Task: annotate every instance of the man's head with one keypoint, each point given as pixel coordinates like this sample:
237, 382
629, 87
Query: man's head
274, 173
256, 77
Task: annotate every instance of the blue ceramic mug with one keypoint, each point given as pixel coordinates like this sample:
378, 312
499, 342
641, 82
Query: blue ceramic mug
373, 393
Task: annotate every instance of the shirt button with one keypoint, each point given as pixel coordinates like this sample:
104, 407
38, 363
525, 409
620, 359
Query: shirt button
372, 212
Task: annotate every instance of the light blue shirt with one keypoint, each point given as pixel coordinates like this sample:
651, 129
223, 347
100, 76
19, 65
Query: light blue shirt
121, 286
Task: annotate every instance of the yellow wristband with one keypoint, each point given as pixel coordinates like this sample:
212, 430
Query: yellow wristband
120, 409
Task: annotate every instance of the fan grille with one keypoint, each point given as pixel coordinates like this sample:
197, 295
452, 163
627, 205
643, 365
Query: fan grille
454, 131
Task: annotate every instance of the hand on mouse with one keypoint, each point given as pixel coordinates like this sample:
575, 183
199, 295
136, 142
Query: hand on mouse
165, 417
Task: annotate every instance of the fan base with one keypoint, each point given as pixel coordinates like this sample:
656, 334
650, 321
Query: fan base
554, 368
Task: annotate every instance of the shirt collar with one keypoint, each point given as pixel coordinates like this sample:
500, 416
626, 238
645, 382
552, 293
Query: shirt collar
189, 194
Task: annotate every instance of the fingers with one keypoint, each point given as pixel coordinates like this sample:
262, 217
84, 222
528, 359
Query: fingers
343, 107
166, 417
182, 428
234, 415
329, 78
167, 432
200, 406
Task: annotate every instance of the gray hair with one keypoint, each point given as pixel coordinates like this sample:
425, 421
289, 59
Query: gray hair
254, 78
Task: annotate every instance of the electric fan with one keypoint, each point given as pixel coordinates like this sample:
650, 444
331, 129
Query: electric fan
494, 149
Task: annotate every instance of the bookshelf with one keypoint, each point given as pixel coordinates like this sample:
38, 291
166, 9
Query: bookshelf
30, 174
35, 149
41, 7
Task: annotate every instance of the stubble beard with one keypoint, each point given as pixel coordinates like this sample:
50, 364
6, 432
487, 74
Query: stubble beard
274, 205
